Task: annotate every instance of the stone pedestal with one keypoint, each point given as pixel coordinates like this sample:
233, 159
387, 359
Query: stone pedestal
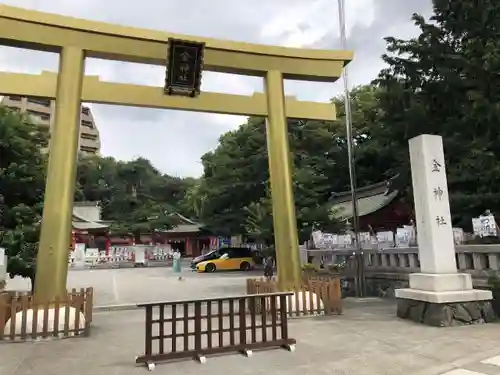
445, 314
438, 296
444, 300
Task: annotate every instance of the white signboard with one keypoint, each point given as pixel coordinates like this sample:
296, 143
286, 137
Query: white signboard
331, 240
2, 257
3, 264
413, 234
385, 239
317, 239
325, 240
345, 240
458, 236
365, 240
403, 237
484, 226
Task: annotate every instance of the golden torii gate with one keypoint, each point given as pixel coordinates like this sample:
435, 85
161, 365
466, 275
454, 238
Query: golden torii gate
75, 39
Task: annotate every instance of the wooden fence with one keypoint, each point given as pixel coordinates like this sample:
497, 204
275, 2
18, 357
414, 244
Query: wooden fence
196, 328
23, 318
314, 296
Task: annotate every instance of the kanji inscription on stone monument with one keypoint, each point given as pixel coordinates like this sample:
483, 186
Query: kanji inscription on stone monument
441, 204
436, 165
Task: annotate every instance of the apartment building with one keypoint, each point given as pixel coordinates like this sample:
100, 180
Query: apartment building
42, 110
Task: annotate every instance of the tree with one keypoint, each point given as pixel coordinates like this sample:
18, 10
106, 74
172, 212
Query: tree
236, 180
235, 175
134, 195
22, 183
21, 243
259, 221
446, 82
194, 199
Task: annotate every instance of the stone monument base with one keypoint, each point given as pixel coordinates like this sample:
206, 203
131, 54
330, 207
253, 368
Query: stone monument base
445, 314
444, 300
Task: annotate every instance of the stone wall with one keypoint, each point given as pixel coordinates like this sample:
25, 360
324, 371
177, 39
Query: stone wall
446, 314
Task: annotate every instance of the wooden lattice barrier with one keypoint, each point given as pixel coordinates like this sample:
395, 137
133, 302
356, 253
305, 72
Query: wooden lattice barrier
23, 318
197, 328
314, 296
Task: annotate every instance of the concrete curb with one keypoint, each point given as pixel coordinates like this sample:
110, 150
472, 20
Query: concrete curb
112, 308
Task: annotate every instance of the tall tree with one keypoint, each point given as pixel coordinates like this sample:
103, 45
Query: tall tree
446, 82
236, 178
22, 182
235, 175
134, 195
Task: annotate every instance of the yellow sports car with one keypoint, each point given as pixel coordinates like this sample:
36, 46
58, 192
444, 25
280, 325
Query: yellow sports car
231, 259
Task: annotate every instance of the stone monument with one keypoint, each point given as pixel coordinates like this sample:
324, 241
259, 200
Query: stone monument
438, 295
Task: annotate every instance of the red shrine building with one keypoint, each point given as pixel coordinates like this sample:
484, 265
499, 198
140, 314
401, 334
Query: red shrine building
188, 236
379, 207
88, 228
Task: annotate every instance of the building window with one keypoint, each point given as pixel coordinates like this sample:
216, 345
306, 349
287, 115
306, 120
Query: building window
92, 137
90, 150
40, 101
86, 111
41, 115
88, 124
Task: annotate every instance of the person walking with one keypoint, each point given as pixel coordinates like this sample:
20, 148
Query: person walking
269, 268
176, 264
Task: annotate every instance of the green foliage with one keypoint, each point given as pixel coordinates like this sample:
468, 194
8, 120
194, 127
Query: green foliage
236, 175
134, 195
309, 267
494, 283
22, 245
236, 189
22, 171
234, 193
259, 221
446, 82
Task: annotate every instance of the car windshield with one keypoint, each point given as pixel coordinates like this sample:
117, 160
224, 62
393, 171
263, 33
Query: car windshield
213, 255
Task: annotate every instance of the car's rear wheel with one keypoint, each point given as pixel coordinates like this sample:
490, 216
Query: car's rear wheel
244, 266
210, 267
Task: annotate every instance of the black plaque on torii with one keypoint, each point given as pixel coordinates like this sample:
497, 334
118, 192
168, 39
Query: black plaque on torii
184, 67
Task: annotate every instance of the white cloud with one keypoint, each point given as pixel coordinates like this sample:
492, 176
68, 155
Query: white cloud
174, 141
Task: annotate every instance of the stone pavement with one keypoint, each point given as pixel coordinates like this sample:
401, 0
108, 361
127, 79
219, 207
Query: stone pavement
485, 367
367, 339
137, 285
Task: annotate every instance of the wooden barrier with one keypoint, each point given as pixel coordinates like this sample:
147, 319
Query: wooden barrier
196, 328
23, 318
314, 296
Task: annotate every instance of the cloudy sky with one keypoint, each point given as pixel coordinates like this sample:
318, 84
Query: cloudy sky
174, 141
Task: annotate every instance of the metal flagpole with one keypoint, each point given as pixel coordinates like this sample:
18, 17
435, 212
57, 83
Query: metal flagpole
360, 279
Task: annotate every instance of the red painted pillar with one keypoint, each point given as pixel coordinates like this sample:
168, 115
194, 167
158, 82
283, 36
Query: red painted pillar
73, 240
188, 247
108, 244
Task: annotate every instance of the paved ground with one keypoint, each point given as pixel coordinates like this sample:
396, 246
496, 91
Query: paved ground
135, 285
367, 339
